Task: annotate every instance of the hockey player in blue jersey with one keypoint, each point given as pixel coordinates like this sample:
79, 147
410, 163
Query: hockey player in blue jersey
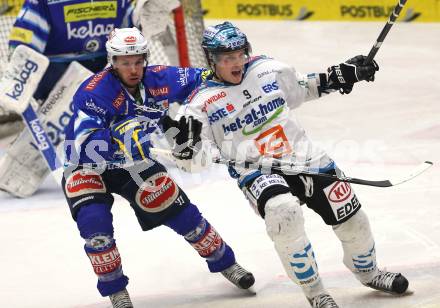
68, 30
115, 112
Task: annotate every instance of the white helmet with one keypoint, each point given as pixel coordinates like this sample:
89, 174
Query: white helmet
125, 42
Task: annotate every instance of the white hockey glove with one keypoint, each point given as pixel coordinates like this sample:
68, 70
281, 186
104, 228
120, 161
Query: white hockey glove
187, 146
343, 76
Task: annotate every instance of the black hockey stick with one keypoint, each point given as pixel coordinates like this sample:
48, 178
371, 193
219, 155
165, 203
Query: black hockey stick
385, 31
291, 169
274, 165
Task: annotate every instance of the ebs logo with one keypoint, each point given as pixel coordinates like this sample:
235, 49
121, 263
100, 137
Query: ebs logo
270, 87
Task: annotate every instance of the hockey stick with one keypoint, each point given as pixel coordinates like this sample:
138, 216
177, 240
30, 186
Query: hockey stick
292, 169
18, 84
385, 31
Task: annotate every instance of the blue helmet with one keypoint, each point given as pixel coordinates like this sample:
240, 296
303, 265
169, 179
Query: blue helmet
223, 38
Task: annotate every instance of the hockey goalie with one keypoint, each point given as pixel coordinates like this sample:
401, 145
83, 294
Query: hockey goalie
72, 34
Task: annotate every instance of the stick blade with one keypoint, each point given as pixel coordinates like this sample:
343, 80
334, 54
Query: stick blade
416, 172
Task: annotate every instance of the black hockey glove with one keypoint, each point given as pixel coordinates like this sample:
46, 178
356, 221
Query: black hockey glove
343, 76
187, 141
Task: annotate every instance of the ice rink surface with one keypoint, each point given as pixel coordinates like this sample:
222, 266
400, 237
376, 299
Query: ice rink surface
380, 130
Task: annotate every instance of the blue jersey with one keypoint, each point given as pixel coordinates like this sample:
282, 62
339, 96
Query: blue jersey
67, 30
101, 100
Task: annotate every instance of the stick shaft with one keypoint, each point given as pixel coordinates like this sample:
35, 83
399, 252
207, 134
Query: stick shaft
385, 31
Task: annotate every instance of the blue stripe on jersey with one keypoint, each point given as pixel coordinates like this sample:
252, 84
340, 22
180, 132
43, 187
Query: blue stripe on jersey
84, 126
34, 19
127, 20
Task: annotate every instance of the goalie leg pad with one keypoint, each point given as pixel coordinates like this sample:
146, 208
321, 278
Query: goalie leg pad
285, 226
358, 245
203, 237
94, 222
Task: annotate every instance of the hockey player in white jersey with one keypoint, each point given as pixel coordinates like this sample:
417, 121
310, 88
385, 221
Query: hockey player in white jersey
245, 112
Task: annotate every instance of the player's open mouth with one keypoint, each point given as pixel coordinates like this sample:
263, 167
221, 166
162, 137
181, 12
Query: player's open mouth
237, 73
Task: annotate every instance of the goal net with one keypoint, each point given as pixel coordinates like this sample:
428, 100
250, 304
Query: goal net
185, 26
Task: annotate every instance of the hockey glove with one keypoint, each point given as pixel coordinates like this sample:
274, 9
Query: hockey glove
131, 138
187, 140
342, 77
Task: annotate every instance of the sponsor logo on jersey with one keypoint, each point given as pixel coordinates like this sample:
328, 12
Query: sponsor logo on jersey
255, 119
106, 261
273, 142
221, 113
256, 99
90, 30
342, 199
183, 76
83, 182
208, 243
93, 107
90, 10
27, 69
265, 73
95, 80
270, 87
213, 99
159, 91
21, 35
157, 193
119, 100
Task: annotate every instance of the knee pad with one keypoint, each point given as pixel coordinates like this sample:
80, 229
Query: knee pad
284, 219
358, 244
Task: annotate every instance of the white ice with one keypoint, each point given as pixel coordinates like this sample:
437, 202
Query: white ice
382, 129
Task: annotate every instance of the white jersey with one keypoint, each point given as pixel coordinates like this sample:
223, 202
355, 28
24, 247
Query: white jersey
255, 118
